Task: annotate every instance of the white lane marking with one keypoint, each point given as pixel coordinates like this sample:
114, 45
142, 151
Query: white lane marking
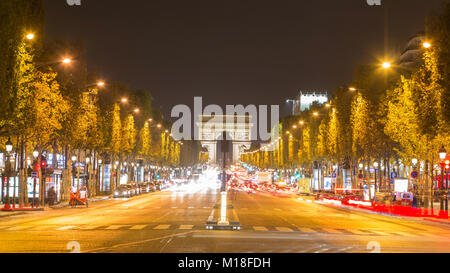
344, 249
309, 201
66, 228
114, 227
206, 207
277, 209
191, 207
307, 230
162, 227
137, 242
283, 229
137, 227
211, 216
186, 226
330, 230
19, 228
174, 207
257, 228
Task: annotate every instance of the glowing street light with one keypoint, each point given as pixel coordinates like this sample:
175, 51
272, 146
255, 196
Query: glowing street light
301, 122
66, 61
352, 88
316, 114
426, 45
442, 153
327, 105
294, 126
124, 100
9, 145
386, 65
101, 84
136, 110
159, 125
30, 36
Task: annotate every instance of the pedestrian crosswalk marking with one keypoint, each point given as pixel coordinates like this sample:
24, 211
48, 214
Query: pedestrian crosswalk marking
257, 228
137, 227
330, 230
66, 228
186, 227
88, 227
404, 234
19, 228
114, 227
42, 228
307, 230
380, 232
429, 234
358, 232
162, 227
283, 229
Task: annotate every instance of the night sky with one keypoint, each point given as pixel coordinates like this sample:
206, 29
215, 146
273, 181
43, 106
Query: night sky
234, 52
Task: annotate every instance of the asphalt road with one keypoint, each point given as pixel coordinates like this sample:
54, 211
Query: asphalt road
174, 221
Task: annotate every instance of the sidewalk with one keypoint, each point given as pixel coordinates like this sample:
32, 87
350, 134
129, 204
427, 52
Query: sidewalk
90, 200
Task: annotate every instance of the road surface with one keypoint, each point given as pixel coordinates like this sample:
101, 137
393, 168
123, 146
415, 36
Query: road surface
174, 221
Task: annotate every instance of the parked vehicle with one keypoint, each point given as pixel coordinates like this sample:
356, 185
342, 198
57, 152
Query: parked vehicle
144, 187
123, 191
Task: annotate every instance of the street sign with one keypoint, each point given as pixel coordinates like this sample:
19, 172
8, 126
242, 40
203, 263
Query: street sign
333, 175
360, 176
34, 175
393, 175
414, 174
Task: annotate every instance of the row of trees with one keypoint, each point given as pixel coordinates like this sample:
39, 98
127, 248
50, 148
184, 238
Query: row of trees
58, 107
386, 116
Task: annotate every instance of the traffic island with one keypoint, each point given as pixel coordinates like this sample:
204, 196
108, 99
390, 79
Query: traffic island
216, 225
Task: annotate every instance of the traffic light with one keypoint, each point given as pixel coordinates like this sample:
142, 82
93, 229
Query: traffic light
43, 162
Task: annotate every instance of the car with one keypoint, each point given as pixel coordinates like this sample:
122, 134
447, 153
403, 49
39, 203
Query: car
144, 187
152, 186
123, 191
134, 189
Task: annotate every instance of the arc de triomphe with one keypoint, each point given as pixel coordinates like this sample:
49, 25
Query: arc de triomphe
211, 129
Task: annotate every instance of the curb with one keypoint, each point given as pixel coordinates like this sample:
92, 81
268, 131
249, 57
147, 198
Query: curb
386, 214
93, 200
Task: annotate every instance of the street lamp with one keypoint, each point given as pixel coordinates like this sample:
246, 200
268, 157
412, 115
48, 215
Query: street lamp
9, 148
442, 153
66, 61
30, 36
9, 145
35, 153
316, 114
426, 45
442, 156
386, 65
74, 158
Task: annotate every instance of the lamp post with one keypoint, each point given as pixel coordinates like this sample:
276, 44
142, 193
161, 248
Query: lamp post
9, 148
442, 156
375, 165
